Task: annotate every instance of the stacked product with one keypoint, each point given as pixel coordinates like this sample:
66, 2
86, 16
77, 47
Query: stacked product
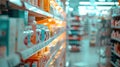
25, 39
115, 40
74, 33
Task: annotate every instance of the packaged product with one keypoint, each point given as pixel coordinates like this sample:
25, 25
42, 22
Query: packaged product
12, 34
41, 4
20, 25
45, 34
4, 21
2, 51
28, 32
38, 34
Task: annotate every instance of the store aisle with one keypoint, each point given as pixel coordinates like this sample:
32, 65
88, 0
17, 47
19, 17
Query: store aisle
87, 57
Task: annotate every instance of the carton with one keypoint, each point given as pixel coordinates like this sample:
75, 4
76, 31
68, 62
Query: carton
4, 22
18, 17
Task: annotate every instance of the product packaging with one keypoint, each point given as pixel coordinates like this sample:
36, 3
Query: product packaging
32, 22
18, 16
38, 34
12, 33
4, 29
41, 4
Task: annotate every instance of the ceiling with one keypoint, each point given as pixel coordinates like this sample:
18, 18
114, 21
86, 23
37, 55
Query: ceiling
75, 3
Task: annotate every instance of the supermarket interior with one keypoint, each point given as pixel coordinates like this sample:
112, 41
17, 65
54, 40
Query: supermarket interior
59, 33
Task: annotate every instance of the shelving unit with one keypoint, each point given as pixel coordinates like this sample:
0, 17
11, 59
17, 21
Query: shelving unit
113, 64
116, 27
41, 17
26, 53
115, 41
74, 32
53, 55
115, 53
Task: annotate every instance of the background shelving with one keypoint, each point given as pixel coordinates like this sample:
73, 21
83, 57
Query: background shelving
115, 41
40, 22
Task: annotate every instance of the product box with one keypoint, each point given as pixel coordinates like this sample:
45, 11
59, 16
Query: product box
12, 34
38, 34
4, 22
41, 4
27, 34
20, 26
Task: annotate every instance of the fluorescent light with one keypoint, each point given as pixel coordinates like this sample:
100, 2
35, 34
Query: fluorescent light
67, 3
99, 3
70, 9
84, 3
102, 0
106, 3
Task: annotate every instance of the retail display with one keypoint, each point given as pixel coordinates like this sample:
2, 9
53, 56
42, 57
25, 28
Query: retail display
74, 33
30, 36
115, 50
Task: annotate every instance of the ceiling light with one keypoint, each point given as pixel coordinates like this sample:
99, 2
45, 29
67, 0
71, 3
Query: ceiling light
67, 3
70, 9
102, 0
99, 3
84, 3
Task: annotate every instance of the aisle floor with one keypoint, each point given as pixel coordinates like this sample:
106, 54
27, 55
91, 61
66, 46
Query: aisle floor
87, 57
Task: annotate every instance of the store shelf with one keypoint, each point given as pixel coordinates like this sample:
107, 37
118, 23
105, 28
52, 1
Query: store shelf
16, 2
13, 60
74, 42
115, 53
75, 24
113, 64
115, 15
115, 27
79, 29
34, 9
115, 39
53, 55
31, 51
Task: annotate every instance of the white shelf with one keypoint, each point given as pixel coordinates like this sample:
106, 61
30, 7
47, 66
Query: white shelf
116, 39
16, 2
33, 9
115, 53
75, 24
53, 55
117, 27
113, 64
115, 15
31, 51
37, 10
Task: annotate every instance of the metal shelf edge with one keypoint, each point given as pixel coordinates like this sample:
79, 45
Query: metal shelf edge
52, 56
30, 51
115, 53
115, 39
115, 27
16, 2
113, 64
36, 10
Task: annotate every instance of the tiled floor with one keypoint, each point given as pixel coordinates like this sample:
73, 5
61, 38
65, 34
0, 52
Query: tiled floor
87, 57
